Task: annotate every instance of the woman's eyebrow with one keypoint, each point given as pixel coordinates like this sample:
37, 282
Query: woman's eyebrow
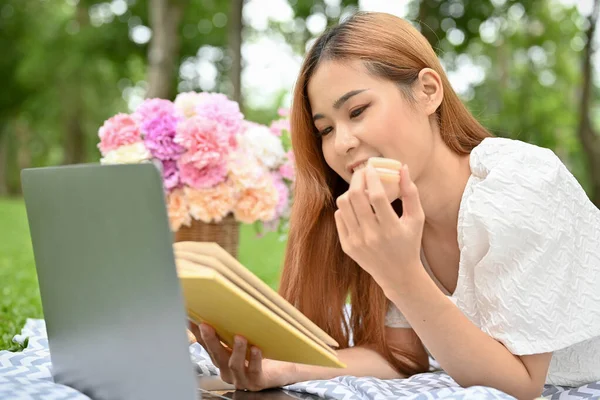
340, 102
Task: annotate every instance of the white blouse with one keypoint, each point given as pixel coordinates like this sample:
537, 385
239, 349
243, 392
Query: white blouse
529, 272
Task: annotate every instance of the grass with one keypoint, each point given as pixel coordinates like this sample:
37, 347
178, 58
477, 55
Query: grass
19, 293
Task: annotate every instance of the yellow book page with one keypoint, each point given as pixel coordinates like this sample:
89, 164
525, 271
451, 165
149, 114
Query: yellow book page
216, 251
214, 263
211, 298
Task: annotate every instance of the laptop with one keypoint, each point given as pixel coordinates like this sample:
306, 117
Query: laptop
111, 298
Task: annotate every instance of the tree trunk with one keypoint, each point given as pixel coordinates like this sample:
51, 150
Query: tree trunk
163, 52
235, 47
23, 134
588, 136
75, 138
3, 163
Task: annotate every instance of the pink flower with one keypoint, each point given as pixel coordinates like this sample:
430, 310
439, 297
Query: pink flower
280, 125
288, 170
152, 108
118, 131
159, 137
283, 193
205, 140
217, 107
170, 174
283, 112
283, 209
202, 178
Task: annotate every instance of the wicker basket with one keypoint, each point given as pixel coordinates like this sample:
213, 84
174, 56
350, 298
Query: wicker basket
226, 233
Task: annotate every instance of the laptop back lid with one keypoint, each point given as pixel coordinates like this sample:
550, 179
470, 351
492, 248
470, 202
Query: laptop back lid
110, 293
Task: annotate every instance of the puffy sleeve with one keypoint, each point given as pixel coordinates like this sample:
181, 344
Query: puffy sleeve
532, 239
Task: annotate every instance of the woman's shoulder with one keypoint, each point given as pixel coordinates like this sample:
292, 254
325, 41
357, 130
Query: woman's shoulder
518, 175
518, 188
497, 154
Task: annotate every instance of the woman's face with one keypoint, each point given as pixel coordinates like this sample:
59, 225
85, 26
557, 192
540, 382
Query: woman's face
359, 116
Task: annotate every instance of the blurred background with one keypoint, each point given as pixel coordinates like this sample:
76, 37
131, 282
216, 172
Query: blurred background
526, 68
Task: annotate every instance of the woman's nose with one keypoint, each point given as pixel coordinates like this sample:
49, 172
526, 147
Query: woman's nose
345, 140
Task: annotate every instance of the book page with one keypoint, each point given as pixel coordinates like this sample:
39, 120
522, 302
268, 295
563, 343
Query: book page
226, 259
211, 262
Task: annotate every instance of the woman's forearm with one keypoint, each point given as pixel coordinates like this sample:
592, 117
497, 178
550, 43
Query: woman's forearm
468, 354
360, 361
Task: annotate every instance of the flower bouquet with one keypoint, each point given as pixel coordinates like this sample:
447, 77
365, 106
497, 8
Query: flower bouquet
219, 170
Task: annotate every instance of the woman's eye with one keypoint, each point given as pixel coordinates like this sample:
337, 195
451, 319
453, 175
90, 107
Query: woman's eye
325, 131
357, 112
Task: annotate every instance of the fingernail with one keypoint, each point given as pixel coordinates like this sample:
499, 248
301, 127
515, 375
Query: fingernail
255, 352
239, 341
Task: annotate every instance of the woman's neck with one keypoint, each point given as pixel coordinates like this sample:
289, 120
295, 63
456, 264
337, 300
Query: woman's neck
441, 187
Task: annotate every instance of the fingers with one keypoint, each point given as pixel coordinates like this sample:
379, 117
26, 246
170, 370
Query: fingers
255, 367
237, 363
347, 213
194, 334
341, 225
360, 201
218, 353
232, 363
411, 203
355, 209
378, 198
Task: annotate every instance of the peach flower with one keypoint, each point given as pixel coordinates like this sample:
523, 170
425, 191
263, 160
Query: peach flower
258, 203
178, 210
212, 204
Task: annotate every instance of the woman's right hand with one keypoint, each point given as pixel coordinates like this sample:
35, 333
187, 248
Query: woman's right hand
255, 375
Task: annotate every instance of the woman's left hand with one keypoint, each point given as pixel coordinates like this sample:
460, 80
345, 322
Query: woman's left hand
371, 232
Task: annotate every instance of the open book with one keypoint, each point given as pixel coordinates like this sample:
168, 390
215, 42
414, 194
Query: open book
221, 292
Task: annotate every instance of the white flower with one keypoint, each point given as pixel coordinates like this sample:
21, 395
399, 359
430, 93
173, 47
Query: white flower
244, 170
263, 144
128, 154
186, 103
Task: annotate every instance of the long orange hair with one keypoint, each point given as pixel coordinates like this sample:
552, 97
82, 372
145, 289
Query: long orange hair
318, 277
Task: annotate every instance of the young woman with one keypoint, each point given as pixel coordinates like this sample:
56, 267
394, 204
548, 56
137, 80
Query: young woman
489, 260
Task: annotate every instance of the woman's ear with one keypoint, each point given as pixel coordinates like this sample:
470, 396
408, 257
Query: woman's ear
431, 91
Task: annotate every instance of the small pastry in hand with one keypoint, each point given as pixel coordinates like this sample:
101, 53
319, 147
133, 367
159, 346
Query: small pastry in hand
389, 173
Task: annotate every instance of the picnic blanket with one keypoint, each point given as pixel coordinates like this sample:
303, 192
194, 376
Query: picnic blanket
27, 375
